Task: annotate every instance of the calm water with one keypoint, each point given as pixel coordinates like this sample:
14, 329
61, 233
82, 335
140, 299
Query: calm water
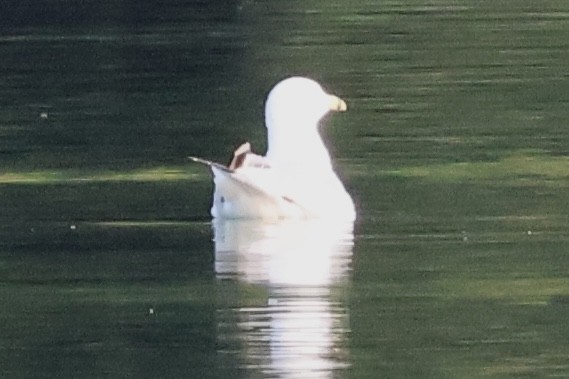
456, 149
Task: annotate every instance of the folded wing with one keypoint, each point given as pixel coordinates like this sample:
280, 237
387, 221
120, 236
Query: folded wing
250, 188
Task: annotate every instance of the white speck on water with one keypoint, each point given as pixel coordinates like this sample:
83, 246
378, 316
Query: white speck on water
44, 115
151, 311
529, 233
73, 227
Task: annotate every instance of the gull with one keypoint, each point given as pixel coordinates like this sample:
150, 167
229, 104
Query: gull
295, 179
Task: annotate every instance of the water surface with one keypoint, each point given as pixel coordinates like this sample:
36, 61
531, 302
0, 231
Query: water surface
455, 149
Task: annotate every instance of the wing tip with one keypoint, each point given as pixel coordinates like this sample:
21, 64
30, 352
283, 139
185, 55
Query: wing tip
211, 164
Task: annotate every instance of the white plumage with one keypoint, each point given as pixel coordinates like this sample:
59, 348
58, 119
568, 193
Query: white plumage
296, 178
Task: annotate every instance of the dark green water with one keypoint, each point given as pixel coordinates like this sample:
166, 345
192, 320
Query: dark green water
455, 147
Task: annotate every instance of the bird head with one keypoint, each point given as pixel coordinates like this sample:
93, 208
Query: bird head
298, 102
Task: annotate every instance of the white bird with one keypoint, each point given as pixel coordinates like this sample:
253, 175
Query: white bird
295, 179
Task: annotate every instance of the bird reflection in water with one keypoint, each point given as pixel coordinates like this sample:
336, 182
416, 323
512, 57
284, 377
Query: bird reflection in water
297, 328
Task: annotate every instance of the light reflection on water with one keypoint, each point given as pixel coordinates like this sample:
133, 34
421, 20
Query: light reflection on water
300, 328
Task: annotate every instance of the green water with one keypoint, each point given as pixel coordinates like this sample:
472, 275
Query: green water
455, 148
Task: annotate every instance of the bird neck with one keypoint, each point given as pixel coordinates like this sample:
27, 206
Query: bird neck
304, 150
